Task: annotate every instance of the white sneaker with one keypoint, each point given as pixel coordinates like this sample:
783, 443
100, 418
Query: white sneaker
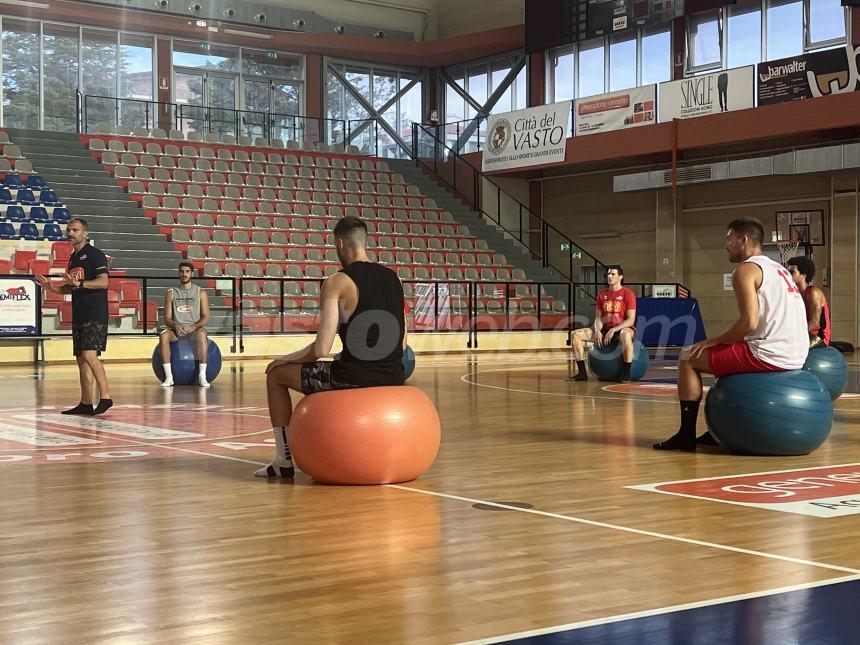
204, 383
167, 383
274, 469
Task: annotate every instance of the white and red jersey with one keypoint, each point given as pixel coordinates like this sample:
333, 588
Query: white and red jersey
780, 338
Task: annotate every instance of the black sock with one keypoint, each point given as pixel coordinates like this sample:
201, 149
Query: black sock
685, 438
581, 374
80, 408
625, 371
103, 406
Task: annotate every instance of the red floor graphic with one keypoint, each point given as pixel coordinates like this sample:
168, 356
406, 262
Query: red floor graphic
43, 435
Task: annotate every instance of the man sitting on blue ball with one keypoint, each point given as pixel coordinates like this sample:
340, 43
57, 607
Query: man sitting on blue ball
614, 320
802, 271
186, 312
363, 304
768, 336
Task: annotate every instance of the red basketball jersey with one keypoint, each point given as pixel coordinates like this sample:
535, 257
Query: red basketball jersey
613, 305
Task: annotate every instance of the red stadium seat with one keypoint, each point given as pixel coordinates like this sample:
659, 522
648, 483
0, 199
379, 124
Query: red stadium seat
39, 267
22, 259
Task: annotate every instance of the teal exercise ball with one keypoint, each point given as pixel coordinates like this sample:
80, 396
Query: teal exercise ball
829, 366
408, 362
607, 362
771, 413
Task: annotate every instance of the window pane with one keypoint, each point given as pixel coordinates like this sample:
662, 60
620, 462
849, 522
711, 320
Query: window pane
591, 77
271, 64
744, 44
60, 51
336, 127
135, 80
656, 57
477, 88
705, 39
454, 104
622, 64
826, 20
384, 88
561, 87
521, 88
20, 74
205, 55
410, 109
784, 29
98, 63
504, 103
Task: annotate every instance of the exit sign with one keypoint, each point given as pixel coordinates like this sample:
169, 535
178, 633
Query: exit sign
272, 55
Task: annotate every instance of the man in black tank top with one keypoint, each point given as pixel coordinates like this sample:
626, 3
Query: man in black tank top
363, 304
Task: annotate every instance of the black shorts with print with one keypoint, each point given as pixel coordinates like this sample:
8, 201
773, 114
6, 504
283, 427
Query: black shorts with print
316, 377
89, 335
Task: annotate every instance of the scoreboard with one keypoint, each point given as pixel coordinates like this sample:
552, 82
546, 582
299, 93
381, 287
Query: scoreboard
551, 23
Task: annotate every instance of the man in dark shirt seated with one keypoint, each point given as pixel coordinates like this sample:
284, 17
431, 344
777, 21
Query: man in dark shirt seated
363, 304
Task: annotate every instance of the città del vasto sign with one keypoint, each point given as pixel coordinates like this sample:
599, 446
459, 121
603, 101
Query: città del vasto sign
528, 137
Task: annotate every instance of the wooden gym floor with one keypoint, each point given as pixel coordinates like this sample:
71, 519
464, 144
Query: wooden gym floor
147, 526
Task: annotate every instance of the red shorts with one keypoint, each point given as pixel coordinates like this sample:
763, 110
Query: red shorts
736, 358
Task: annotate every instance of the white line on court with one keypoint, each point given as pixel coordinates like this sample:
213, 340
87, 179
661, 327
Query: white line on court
657, 612
627, 529
465, 379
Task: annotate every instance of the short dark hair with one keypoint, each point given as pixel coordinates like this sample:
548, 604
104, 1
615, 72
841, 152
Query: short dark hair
804, 265
354, 230
617, 267
749, 226
81, 221
186, 263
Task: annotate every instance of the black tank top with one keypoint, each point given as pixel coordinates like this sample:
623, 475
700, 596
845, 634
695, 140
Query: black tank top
373, 336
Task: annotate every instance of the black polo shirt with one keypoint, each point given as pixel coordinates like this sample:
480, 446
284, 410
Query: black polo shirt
88, 305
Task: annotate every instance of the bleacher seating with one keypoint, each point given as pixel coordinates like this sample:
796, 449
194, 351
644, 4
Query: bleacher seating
264, 211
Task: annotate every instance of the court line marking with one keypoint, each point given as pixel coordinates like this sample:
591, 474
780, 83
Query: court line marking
627, 529
464, 378
659, 611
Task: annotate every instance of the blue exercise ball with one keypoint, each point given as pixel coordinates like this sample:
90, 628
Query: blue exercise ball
773, 413
607, 362
408, 362
183, 362
829, 366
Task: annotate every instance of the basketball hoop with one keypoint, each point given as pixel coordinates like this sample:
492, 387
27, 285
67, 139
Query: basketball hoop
787, 250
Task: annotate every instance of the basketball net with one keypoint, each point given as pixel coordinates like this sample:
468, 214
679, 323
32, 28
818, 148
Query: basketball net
787, 250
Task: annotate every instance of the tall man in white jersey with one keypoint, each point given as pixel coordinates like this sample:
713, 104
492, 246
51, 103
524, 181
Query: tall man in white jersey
769, 335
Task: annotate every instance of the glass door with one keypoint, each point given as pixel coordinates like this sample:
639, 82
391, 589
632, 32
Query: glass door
207, 101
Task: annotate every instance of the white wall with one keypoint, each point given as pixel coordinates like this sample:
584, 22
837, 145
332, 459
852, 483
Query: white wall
459, 17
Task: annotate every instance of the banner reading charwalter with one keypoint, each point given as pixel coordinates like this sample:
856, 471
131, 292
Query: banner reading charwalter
732, 89
19, 306
529, 137
616, 110
833, 71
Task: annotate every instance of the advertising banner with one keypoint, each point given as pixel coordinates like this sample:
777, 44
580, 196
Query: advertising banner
19, 306
616, 110
833, 71
726, 91
528, 137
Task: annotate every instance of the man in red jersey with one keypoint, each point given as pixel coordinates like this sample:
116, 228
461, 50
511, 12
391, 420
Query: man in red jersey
817, 312
614, 319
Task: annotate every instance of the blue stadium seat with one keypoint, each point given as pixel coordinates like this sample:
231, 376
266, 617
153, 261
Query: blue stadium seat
62, 215
29, 231
15, 213
7, 231
38, 214
12, 179
48, 197
6, 196
35, 181
25, 196
52, 232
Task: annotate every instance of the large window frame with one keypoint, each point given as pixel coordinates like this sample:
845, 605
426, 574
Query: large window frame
490, 70
763, 9
118, 34
574, 50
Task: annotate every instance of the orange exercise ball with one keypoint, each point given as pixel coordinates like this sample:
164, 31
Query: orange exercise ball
370, 435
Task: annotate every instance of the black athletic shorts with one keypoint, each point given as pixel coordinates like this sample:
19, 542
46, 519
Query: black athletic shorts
316, 377
89, 335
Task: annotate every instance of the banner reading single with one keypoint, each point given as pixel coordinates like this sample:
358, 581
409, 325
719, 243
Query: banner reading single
726, 91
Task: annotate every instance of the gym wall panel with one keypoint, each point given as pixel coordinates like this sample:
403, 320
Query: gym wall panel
456, 18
